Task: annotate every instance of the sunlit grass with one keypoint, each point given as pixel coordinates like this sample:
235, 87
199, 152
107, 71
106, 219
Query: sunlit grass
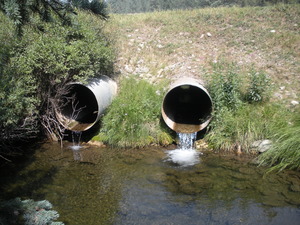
258, 47
133, 119
285, 151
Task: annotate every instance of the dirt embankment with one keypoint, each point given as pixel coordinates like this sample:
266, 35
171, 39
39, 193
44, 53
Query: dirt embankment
173, 44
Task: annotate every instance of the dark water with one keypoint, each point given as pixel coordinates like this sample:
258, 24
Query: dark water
109, 186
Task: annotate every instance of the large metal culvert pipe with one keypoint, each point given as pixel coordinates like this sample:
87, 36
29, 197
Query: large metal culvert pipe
84, 104
187, 106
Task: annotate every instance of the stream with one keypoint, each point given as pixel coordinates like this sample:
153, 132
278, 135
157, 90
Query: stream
99, 186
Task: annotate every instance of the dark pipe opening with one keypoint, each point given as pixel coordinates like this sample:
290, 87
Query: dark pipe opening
187, 104
80, 104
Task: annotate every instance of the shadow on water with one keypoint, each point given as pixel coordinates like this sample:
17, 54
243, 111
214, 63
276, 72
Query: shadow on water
137, 186
23, 175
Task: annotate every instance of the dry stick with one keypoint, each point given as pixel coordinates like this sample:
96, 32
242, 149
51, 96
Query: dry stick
5, 158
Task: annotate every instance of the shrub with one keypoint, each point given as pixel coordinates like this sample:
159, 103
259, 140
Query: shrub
236, 123
133, 119
42, 63
16, 103
259, 87
224, 84
28, 212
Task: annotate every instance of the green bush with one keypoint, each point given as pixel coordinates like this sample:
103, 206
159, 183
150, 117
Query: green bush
237, 123
259, 88
224, 86
38, 66
16, 103
133, 119
28, 212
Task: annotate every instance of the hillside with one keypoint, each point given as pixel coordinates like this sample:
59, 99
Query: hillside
172, 44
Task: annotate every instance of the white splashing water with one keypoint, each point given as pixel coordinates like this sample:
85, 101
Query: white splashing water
76, 136
186, 154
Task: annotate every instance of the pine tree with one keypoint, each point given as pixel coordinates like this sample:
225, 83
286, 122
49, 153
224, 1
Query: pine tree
19, 11
98, 7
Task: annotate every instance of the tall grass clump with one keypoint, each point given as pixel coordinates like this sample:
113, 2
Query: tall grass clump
133, 119
285, 151
240, 116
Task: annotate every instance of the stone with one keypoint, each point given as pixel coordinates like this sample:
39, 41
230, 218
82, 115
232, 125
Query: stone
282, 88
261, 145
294, 102
208, 34
128, 69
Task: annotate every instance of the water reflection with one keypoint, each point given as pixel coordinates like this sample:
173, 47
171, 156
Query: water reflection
110, 186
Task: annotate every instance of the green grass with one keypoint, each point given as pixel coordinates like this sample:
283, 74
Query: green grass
252, 51
241, 114
285, 151
249, 123
133, 119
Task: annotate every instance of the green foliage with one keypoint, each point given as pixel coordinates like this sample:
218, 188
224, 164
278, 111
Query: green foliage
15, 100
28, 212
285, 151
259, 87
249, 123
235, 122
98, 7
20, 11
133, 119
63, 54
36, 68
225, 86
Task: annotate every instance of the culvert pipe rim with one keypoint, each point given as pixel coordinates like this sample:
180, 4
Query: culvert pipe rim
187, 106
83, 106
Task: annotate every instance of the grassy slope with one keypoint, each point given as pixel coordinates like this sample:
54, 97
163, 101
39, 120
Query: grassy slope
178, 43
167, 45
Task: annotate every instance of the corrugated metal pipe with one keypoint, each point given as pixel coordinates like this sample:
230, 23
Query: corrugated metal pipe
187, 106
84, 104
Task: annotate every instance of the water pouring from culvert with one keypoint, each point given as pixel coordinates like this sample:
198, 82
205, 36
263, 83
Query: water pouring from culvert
186, 109
187, 106
185, 155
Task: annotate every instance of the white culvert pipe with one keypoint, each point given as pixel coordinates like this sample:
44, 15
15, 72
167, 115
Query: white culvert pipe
84, 104
187, 106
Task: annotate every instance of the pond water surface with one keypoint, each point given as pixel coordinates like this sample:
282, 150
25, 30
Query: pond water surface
95, 186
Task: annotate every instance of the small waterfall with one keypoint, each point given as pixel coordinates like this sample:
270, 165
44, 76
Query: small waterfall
76, 136
186, 140
186, 154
